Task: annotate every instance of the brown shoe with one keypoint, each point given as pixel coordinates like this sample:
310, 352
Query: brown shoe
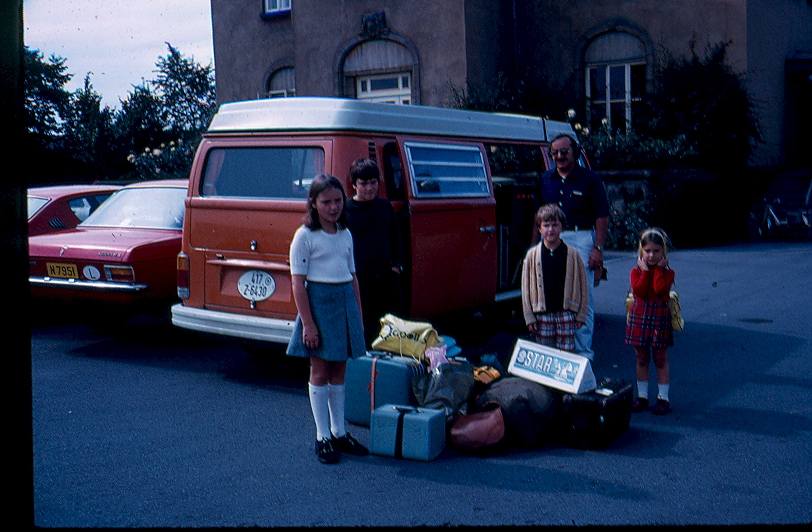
661, 408
640, 405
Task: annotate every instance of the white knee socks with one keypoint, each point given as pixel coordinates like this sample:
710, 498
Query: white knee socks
335, 397
320, 407
327, 404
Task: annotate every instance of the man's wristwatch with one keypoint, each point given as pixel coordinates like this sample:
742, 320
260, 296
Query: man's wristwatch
599, 248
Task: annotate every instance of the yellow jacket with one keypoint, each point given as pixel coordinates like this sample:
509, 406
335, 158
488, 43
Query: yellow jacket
576, 292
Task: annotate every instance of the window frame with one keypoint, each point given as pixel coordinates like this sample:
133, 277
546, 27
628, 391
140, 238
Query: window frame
278, 9
422, 193
402, 95
628, 100
257, 186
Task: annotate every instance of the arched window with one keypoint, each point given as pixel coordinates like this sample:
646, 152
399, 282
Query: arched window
379, 70
282, 83
615, 79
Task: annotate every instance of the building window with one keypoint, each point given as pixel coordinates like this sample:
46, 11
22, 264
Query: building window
386, 88
381, 71
282, 83
274, 7
615, 80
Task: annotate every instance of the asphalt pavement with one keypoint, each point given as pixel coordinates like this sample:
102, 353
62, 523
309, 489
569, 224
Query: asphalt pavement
159, 427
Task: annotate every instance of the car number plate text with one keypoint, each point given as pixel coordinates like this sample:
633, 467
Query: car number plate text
256, 285
61, 270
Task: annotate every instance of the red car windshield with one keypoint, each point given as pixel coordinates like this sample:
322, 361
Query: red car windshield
145, 208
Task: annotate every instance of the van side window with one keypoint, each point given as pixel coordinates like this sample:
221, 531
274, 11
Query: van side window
266, 172
393, 172
519, 162
446, 170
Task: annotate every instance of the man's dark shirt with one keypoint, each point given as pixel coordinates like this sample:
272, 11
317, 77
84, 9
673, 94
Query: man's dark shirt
581, 196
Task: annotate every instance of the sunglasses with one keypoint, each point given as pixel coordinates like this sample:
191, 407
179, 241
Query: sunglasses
562, 151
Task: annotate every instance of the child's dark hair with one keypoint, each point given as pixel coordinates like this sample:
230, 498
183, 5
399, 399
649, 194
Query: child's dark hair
656, 236
321, 183
548, 212
365, 169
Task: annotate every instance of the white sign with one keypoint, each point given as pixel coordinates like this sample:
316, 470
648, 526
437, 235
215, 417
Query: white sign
552, 367
256, 285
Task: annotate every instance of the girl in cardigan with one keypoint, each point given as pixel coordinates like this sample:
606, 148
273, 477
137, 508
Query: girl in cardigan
648, 328
328, 327
555, 295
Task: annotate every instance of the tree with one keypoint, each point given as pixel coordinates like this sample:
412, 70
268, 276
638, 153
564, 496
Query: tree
186, 89
45, 97
186, 96
703, 99
71, 137
88, 131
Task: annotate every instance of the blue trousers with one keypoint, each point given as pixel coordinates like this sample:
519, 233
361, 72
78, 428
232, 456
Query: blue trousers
583, 240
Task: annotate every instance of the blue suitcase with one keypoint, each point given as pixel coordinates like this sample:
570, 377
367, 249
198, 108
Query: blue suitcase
376, 379
407, 432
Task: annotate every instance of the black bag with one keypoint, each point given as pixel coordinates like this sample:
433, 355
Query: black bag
529, 409
595, 419
447, 387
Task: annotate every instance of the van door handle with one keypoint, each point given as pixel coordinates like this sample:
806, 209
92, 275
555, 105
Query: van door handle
487, 229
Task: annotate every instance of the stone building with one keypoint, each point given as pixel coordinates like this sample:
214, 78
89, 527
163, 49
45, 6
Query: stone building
596, 56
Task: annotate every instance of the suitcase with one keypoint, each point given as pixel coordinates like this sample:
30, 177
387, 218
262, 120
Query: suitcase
595, 419
403, 431
390, 383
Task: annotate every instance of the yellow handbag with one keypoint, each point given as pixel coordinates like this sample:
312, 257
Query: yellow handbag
406, 338
677, 323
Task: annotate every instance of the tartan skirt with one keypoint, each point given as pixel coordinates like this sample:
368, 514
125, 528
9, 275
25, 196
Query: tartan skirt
556, 329
649, 324
335, 311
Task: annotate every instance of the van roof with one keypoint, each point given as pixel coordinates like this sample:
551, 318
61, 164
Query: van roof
341, 114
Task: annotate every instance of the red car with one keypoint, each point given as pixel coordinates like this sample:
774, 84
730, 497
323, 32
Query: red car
57, 208
120, 260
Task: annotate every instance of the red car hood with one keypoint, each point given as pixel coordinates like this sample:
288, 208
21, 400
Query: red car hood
98, 243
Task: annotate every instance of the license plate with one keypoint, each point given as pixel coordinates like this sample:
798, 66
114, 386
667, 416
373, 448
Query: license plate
256, 285
61, 270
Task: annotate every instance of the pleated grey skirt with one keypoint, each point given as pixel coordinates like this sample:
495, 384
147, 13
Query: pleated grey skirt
335, 311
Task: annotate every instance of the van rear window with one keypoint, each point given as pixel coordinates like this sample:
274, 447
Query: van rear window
265, 172
445, 170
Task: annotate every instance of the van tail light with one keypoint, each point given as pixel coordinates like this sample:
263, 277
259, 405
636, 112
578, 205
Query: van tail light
119, 274
183, 275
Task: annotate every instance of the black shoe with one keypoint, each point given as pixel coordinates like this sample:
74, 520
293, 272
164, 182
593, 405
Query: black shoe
348, 444
640, 405
326, 452
662, 407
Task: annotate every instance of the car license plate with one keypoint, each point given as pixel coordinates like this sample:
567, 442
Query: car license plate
256, 285
61, 270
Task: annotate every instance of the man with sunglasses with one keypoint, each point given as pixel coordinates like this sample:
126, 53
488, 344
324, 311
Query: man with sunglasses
581, 195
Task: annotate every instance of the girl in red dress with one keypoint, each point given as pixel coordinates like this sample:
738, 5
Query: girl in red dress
648, 328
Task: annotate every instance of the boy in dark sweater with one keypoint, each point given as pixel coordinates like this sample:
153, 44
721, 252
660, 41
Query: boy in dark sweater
378, 249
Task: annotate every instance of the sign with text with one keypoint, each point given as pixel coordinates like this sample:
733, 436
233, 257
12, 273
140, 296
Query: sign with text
552, 367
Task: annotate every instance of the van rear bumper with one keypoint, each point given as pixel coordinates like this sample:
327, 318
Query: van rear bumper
236, 325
